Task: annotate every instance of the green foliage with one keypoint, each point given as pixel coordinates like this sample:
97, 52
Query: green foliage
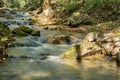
71, 6
1, 4
63, 5
22, 4
90, 3
32, 4
32, 22
67, 6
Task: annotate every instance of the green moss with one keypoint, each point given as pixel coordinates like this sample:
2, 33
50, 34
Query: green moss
93, 29
2, 25
4, 30
32, 23
25, 29
89, 22
70, 53
22, 31
35, 33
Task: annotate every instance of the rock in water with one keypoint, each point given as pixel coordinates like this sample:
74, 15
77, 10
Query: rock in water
82, 50
72, 53
86, 48
35, 33
22, 31
25, 31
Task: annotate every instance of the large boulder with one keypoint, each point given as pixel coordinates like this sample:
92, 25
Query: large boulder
87, 48
82, 50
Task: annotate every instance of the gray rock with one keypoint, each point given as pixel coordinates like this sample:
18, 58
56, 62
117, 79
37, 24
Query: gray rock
115, 51
90, 37
117, 44
89, 48
116, 39
108, 47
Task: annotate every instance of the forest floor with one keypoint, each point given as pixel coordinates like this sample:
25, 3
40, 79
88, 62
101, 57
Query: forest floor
105, 16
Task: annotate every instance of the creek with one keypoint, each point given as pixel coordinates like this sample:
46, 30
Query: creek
44, 62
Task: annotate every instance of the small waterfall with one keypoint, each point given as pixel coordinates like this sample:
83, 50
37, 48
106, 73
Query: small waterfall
18, 18
15, 22
29, 41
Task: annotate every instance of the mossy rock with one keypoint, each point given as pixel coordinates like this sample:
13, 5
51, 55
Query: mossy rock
71, 52
25, 29
22, 31
9, 17
35, 33
32, 22
82, 50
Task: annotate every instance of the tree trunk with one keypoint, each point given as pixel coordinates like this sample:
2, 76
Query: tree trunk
3, 3
46, 4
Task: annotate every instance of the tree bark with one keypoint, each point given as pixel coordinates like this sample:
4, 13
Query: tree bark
46, 4
4, 3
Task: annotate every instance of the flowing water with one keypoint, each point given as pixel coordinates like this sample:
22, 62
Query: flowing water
44, 63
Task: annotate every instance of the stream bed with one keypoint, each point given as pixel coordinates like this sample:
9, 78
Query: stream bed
44, 62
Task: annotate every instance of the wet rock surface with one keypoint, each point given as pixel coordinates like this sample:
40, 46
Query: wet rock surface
85, 48
92, 44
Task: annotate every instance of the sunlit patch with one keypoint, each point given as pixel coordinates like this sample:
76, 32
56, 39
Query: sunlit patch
94, 56
30, 75
70, 63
